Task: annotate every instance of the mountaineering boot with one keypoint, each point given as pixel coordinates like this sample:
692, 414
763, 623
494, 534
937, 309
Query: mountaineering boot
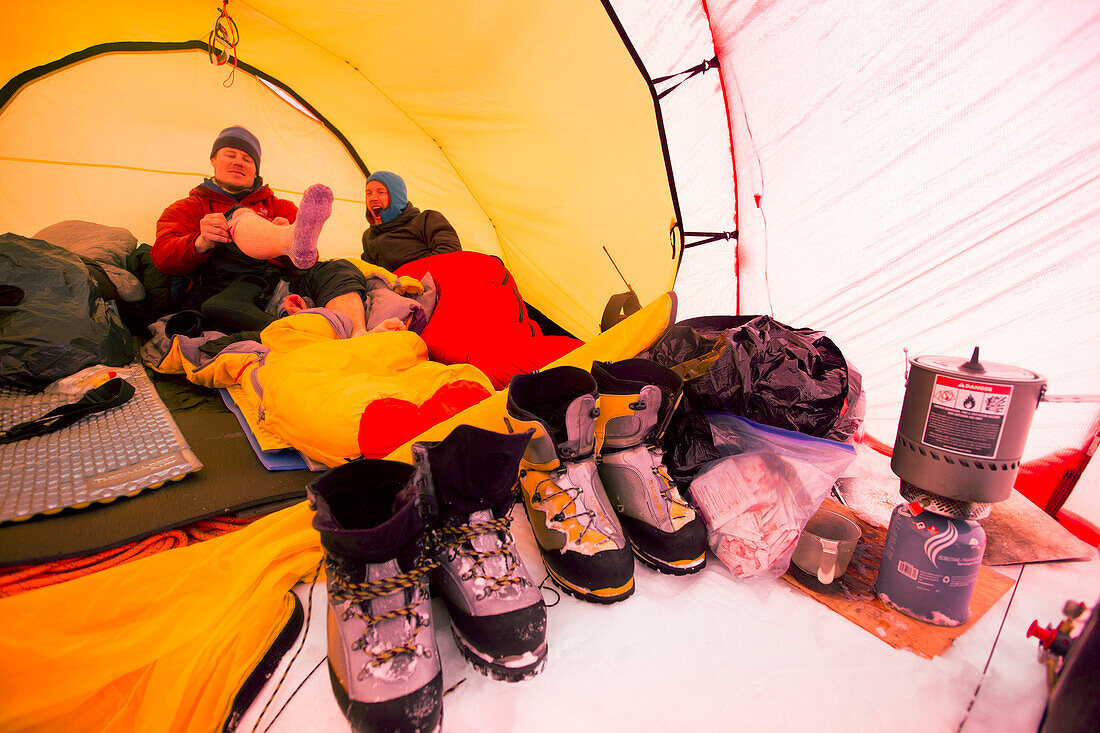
467, 489
580, 539
637, 399
382, 656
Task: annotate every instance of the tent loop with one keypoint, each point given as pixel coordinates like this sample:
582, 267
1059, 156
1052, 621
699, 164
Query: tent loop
709, 237
699, 68
222, 42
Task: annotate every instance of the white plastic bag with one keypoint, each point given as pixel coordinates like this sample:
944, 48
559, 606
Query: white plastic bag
756, 501
85, 379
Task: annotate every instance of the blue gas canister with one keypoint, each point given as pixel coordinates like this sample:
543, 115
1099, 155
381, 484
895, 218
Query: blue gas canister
930, 565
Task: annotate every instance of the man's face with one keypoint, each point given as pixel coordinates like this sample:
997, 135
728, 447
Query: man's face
378, 196
234, 169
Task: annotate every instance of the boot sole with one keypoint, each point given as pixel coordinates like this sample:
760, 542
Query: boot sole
602, 595
507, 669
685, 567
361, 717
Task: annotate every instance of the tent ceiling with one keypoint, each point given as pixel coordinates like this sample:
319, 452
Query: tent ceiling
528, 125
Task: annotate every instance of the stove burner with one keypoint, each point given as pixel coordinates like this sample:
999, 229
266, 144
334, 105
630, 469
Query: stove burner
942, 505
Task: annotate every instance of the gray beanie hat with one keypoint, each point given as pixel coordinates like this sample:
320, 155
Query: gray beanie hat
241, 139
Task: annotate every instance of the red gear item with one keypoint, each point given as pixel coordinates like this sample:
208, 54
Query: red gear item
480, 318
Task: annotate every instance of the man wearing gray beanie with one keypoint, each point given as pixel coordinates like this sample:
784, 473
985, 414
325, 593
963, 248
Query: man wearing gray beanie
240, 139
224, 283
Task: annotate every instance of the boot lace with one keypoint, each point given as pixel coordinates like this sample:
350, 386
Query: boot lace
669, 492
586, 519
456, 540
358, 594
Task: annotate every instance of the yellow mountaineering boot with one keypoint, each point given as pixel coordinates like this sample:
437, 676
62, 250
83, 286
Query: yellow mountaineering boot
580, 540
637, 399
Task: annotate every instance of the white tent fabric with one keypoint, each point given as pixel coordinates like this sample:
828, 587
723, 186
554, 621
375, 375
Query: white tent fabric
914, 178
670, 37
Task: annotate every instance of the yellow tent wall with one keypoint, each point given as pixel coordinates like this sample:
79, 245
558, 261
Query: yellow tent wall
475, 105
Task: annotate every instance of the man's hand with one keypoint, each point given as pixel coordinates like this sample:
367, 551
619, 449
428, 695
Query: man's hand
213, 228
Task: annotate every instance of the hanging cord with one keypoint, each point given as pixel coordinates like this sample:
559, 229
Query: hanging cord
301, 644
699, 68
222, 42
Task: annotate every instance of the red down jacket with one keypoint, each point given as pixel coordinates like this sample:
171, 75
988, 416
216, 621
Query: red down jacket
480, 318
178, 228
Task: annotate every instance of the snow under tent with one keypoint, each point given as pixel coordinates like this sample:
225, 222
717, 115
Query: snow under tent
910, 177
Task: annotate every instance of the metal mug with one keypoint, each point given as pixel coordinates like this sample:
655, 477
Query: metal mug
826, 545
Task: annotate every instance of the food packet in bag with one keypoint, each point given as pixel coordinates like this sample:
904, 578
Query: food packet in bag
756, 500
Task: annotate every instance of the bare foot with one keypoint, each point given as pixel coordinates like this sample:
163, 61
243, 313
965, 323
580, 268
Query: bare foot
390, 324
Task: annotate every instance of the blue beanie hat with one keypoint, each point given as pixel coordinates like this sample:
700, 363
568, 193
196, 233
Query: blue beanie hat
240, 139
399, 197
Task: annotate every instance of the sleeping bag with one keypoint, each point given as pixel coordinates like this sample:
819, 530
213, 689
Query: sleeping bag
313, 387
53, 321
480, 318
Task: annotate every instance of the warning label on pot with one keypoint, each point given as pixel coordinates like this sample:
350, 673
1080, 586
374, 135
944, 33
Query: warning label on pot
966, 417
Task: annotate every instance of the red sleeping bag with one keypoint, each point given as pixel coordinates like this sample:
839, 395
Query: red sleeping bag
480, 318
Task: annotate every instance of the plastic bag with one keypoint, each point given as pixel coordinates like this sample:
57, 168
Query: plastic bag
756, 500
760, 369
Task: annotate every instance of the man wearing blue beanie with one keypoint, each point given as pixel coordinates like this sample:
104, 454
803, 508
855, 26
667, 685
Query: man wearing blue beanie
399, 232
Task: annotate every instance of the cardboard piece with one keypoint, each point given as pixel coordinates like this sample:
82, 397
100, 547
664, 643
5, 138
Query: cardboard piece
853, 595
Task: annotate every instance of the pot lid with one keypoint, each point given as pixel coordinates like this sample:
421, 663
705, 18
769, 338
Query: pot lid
973, 368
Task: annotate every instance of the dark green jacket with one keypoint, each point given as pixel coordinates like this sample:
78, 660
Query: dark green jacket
412, 235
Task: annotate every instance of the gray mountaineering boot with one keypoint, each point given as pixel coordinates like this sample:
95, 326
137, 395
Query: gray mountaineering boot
467, 486
580, 539
637, 399
382, 656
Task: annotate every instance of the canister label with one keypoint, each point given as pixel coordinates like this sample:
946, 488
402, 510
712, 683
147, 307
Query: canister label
966, 416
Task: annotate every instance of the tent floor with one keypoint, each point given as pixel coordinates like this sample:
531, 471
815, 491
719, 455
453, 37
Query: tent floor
707, 652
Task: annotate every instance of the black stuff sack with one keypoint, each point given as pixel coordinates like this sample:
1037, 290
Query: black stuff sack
53, 321
756, 367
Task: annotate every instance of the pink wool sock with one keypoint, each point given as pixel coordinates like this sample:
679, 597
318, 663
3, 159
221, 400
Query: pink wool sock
262, 239
314, 211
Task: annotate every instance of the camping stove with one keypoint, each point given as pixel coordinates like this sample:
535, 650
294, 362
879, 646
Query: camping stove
960, 439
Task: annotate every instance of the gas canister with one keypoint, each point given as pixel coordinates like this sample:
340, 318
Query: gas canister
930, 565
